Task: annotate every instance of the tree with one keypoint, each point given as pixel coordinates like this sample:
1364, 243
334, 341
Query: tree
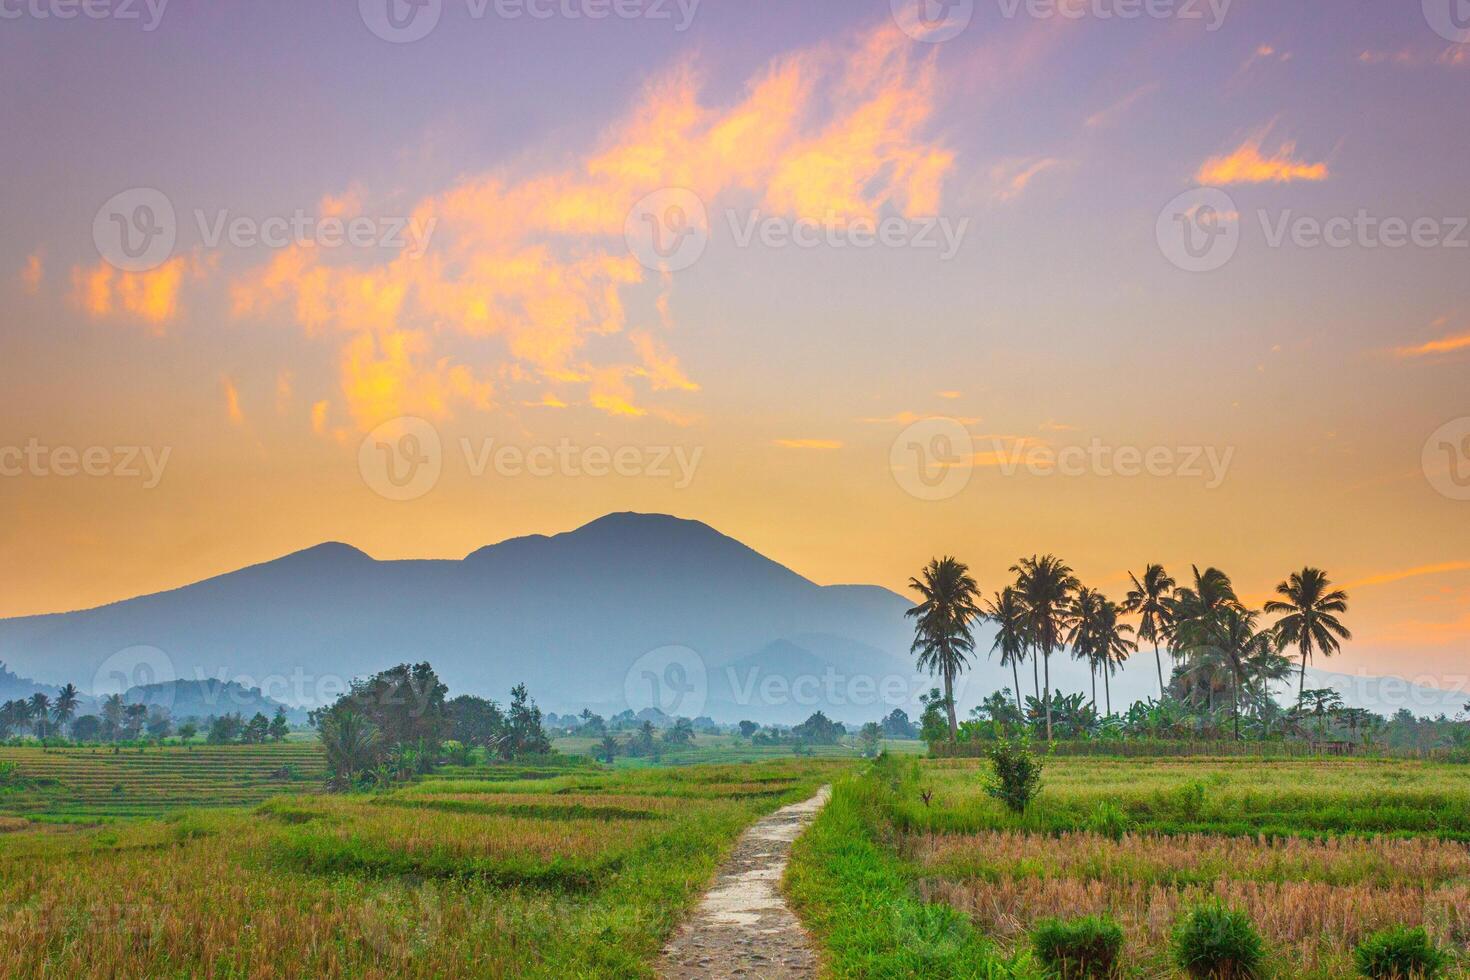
225, 729
942, 631
40, 712
897, 725
748, 729
1241, 640
1199, 615
1008, 613
1149, 600
350, 742
933, 723
592, 724
405, 705
527, 737
1309, 622
682, 733
113, 711
1046, 585
1112, 645
607, 749
159, 724
818, 729
87, 728
187, 731
134, 717
279, 727
476, 721
257, 730
1084, 614
642, 741
65, 708
870, 736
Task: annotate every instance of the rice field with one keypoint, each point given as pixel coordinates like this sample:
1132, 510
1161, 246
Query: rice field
1320, 854
502, 871
98, 783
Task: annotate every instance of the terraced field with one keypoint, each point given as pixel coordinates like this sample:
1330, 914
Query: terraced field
544, 871
89, 784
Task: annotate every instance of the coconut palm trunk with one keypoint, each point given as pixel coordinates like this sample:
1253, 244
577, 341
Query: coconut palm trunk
1016, 673
954, 728
1159, 663
1108, 691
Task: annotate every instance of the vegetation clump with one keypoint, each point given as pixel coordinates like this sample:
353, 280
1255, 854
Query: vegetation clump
1079, 949
1400, 954
1017, 773
1215, 942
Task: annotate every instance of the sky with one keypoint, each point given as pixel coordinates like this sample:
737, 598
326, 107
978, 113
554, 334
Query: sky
857, 282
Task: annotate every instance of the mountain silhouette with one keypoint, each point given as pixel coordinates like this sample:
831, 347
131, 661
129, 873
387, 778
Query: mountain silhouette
570, 614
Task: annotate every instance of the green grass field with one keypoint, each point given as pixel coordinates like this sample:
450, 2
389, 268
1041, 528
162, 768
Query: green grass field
208, 863
726, 749
554, 871
1319, 854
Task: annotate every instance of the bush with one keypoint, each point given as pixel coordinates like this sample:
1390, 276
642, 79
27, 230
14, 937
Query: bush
1109, 821
1401, 954
1078, 949
1017, 773
1214, 942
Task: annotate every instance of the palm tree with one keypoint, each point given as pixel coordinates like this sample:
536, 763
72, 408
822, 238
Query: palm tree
1085, 608
1008, 614
1198, 614
40, 711
1309, 623
65, 708
942, 636
1242, 643
1149, 599
608, 749
1111, 645
1046, 584
350, 742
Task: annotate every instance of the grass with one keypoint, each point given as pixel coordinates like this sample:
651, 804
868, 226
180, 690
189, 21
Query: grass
1316, 856
547, 870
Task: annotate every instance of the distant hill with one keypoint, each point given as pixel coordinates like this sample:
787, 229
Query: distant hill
569, 614
14, 687
209, 699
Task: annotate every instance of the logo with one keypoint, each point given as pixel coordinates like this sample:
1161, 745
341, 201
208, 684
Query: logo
401, 459
933, 458
1450, 19
136, 230
400, 21
668, 230
136, 667
932, 21
1447, 459
1199, 230
672, 679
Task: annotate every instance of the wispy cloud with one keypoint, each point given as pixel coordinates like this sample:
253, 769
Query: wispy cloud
1246, 164
1006, 181
1457, 56
1383, 578
153, 296
1109, 117
33, 272
1444, 345
232, 401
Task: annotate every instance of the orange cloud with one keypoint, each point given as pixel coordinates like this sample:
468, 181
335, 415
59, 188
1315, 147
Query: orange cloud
319, 418
1008, 180
232, 401
1247, 165
33, 272
1444, 345
528, 275
809, 443
1398, 576
151, 296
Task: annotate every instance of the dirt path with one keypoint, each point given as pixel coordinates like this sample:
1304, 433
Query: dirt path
744, 928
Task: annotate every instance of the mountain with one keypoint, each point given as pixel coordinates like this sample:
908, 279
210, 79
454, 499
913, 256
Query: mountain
14, 688
208, 699
574, 615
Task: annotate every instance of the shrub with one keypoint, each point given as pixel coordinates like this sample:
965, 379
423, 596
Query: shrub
1109, 821
1214, 942
1017, 772
1401, 954
1078, 949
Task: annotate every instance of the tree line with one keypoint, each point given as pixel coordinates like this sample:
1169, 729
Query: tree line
118, 720
1220, 646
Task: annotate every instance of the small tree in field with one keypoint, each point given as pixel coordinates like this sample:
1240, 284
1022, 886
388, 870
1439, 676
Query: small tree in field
1017, 777
187, 731
279, 727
